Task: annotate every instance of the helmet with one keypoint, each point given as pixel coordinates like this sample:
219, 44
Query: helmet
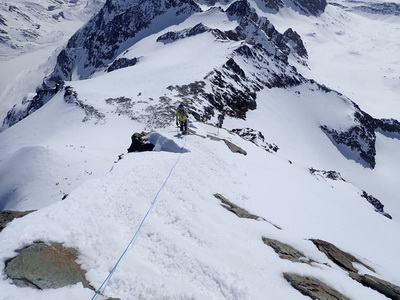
180, 105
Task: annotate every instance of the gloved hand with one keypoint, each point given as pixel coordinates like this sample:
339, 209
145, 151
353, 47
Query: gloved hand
176, 123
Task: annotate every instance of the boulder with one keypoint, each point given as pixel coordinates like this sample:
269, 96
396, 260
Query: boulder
45, 266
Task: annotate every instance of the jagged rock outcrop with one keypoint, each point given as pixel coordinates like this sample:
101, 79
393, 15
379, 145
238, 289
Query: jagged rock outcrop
307, 7
317, 289
95, 46
333, 175
6, 216
173, 36
239, 211
358, 141
45, 266
386, 8
122, 63
375, 203
257, 138
382, 286
117, 23
345, 261
313, 288
286, 251
339, 257
261, 61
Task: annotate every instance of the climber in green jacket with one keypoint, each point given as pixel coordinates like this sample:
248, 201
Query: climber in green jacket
182, 118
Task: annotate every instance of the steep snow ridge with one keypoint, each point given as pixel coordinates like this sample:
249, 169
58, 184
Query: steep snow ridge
191, 247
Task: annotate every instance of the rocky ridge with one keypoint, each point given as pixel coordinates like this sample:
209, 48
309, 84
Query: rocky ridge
117, 26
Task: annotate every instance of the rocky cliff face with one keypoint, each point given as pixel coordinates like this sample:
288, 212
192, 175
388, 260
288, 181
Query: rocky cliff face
313, 8
358, 142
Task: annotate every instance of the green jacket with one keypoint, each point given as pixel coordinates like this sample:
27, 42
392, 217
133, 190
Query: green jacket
181, 115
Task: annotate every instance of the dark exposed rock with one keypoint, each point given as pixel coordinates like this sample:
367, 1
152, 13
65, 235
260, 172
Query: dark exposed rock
242, 9
307, 7
358, 142
115, 24
70, 96
43, 95
386, 8
382, 286
44, 266
122, 63
274, 5
170, 36
6, 216
226, 96
313, 288
333, 175
260, 62
257, 138
286, 251
294, 41
140, 143
389, 127
376, 203
314, 7
341, 258
240, 212
346, 260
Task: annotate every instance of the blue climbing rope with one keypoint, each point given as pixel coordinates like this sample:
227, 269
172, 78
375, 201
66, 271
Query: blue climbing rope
141, 223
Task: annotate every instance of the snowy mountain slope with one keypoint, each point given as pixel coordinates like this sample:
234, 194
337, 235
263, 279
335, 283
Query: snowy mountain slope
191, 247
31, 34
351, 51
27, 24
228, 89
